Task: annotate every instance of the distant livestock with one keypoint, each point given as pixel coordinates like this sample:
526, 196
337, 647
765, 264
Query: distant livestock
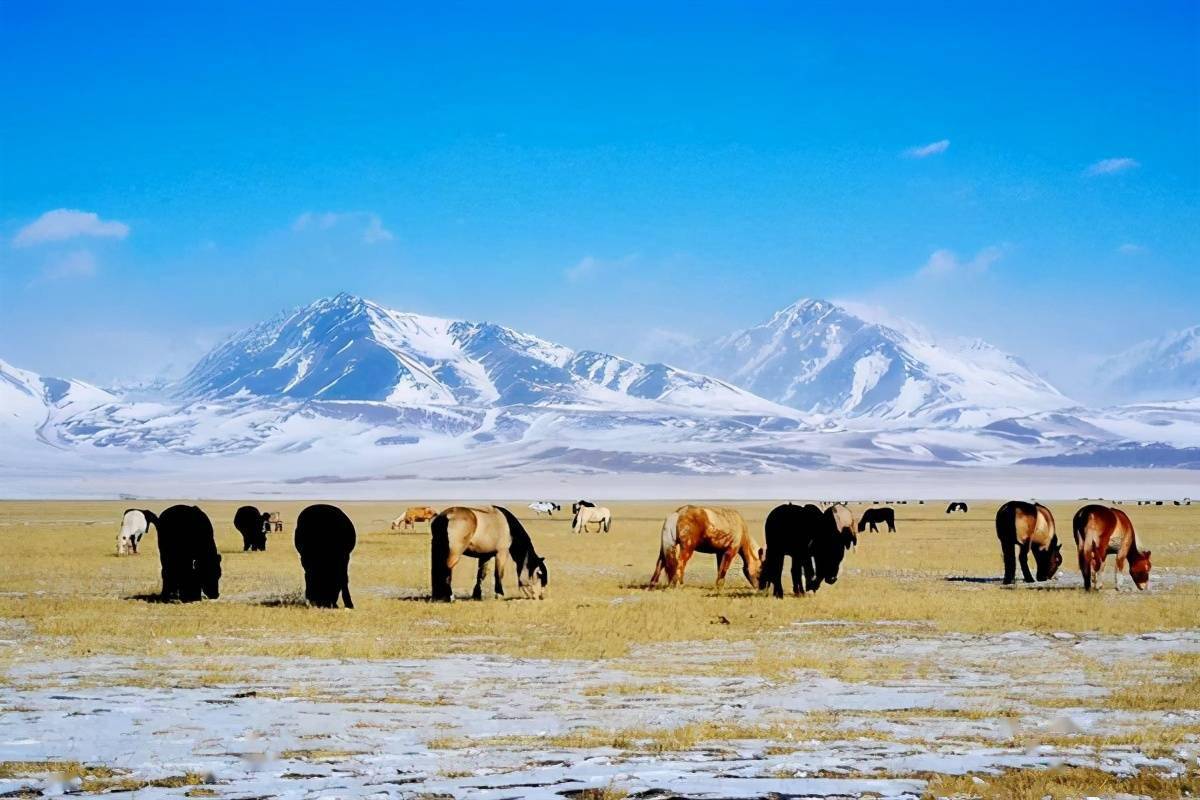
545, 507
485, 534
188, 553
412, 515
874, 516
1028, 526
324, 539
956, 506
134, 524
252, 524
587, 515
695, 529
1101, 531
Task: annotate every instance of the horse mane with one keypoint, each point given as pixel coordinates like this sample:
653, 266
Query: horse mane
521, 549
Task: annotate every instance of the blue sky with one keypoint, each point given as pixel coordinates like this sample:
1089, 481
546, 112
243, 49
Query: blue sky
609, 176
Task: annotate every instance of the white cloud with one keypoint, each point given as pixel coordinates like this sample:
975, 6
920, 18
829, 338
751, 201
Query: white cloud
927, 150
1111, 166
64, 223
369, 223
76, 264
589, 266
1131, 249
943, 263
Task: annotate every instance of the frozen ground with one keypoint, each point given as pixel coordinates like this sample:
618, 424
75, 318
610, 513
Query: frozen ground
446, 727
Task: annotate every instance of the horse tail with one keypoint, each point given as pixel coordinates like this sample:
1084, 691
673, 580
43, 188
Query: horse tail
439, 569
1006, 522
669, 552
607, 520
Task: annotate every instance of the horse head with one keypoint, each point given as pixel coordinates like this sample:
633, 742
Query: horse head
752, 562
1139, 569
210, 574
1048, 559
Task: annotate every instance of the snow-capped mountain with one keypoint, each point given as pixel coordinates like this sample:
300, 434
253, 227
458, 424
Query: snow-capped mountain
345, 348
30, 402
820, 358
1167, 368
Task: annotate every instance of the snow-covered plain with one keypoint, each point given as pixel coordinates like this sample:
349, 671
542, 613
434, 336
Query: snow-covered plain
308, 728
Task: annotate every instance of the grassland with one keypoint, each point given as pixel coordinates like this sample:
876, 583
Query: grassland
919, 608
62, 585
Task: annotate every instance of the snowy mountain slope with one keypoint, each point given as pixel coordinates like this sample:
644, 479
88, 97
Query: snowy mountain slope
1167, 368
818, 357
345, 348
29, 402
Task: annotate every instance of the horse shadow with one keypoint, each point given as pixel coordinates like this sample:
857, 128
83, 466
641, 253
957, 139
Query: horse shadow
285, 600
971, 579
148, 597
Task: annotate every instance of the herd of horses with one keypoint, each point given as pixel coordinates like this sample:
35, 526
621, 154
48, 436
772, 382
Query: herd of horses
815, 539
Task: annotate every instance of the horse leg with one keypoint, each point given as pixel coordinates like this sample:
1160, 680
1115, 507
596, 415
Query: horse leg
1010, 562
658, 568
1025, 562
1085, 569
797, 578
503, 561
480, 574
684, 557
724, 561
1118, 566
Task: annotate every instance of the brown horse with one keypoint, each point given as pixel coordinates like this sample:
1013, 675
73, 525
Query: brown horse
695, 529
1100, 531
413, 515
1029, 526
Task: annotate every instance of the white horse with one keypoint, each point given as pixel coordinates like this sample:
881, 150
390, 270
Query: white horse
134, 525
588, 514
545, 507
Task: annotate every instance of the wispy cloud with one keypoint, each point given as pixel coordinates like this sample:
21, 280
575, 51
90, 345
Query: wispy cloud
369, 224
927, 150
943, 263
590, 266
1111, 166
65, 223
1131, 249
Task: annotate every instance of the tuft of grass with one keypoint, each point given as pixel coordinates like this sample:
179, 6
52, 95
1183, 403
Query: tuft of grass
1060, 782
97, 779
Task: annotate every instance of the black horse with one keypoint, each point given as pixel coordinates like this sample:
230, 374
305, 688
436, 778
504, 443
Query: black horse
324, 539
873, 516
252, 525
809, 537
188, 553
956, 506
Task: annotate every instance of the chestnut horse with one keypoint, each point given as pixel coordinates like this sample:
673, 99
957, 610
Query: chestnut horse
1100, 531
1029, 526
695, 529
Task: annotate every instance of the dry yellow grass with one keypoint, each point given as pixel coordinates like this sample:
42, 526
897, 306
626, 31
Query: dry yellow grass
67, 592
1061, 783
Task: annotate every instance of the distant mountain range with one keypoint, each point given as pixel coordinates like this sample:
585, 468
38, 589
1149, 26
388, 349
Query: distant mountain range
1167, 368
344, 390
818, 357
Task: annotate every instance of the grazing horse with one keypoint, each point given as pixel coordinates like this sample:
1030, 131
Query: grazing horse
484, 533
589, 514
188, 554
956, 506
252, 525
324, 539
873, 516
843, 521
790, 531
695, 529
545, 507
1100, 531
134, 524
412, 515
1028, 526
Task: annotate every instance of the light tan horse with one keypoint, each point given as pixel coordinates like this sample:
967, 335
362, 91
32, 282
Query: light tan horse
1100, 531
412, 515
484, 533
843, 521
586, 515
695, 529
